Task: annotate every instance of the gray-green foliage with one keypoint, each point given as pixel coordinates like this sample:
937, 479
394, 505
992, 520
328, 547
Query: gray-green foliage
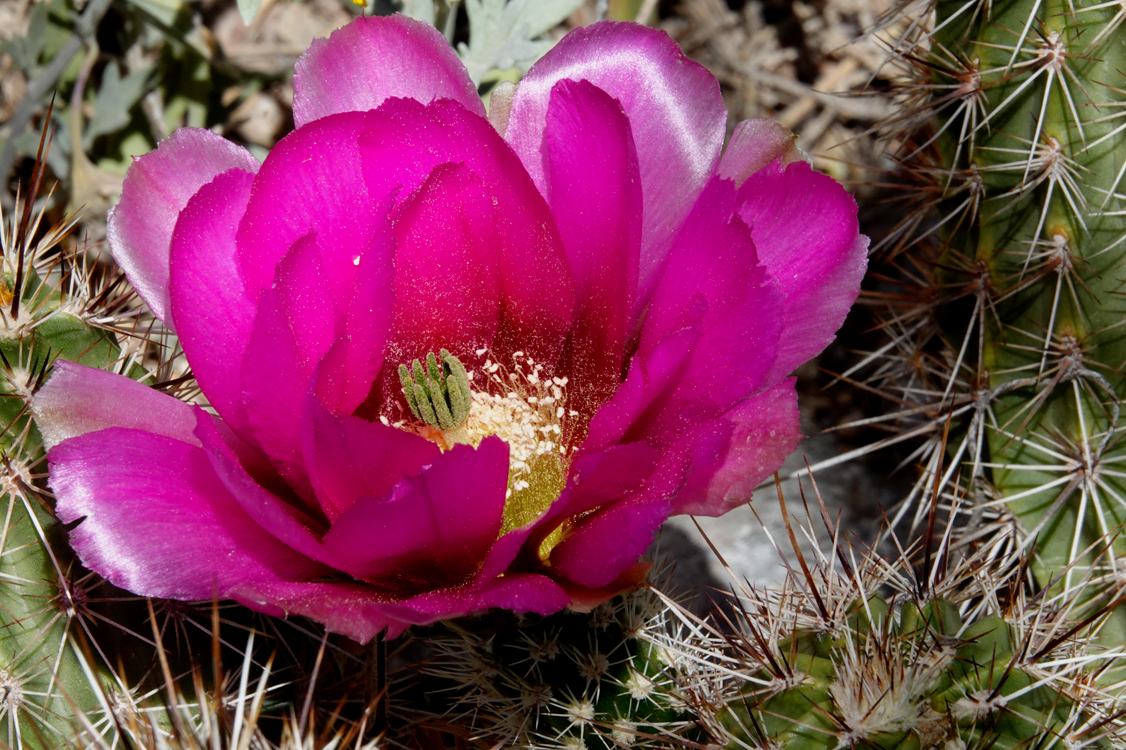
507, 36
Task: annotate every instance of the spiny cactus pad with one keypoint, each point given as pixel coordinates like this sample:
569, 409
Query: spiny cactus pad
1008, 351
595, 680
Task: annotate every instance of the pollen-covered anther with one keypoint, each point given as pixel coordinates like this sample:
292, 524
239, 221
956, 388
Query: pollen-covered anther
524, 408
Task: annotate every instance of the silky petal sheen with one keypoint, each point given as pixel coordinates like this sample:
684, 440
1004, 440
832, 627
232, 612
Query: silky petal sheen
282, 520
712, 280
447, 278
433, 528
805, 230
349, 458
675, 111
158, 522
293, 331
77, 400
360, 612
156, 189
208, 297
648, 378
594, 189
354, 610
402, 145
372, 59
364, 313
311, 183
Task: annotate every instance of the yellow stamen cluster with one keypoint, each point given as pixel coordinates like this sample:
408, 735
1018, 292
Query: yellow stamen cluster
522, 408
527, 410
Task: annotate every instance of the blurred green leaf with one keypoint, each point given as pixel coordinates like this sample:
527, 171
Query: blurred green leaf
504, 35
248, 9
115, 100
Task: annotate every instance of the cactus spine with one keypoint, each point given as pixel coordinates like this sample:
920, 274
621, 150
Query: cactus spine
1009, 342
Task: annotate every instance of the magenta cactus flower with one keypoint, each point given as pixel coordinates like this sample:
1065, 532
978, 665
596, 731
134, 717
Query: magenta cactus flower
454, 363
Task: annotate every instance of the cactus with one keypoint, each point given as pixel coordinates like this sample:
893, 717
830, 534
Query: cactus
929, 650
595, 680
1007, 342
64, 633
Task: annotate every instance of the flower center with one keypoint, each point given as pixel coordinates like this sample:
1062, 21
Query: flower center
516, 403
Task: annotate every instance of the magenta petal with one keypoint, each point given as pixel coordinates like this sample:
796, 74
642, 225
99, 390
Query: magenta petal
726, 458
213, 313
805, 230
361, 612
602, 478
77, 400
648, 378
405, 141
293, 331
158, 522
674, 107
354, 610
519, 592
600, 548
754, 144
284, 521
363, 310
348, 458
590, 160
432, 528
372, 59
156, 189
447, 275
712, 279
311, 183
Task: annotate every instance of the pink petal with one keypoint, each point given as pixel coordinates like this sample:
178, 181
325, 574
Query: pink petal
754, 144
372, 59
355, 610
518, 592
361, 612
363, 311
77, 400
447, 275
349, 458
714, 465
158, 522
590, 161
675, 111
648, 378
719, 463
283, 520
292, 333
311, 183
596, 551
405, 141
711, 280
208, 298
432, 529
157, 187
805, 230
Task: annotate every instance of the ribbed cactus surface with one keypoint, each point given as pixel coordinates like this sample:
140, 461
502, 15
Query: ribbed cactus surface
52, 304
597, 680
1009, 340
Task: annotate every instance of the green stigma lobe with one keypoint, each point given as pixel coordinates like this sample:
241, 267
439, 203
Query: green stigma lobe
437, 394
